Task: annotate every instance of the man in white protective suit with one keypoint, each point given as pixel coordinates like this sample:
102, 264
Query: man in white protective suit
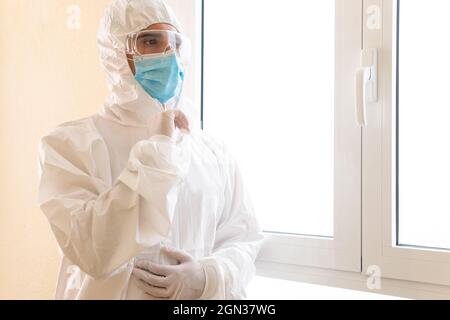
144, 204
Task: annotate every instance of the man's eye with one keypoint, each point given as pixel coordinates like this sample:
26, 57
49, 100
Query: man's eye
148, 41
151, 42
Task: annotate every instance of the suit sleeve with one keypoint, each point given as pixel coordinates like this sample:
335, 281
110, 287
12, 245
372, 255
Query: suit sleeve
101, 224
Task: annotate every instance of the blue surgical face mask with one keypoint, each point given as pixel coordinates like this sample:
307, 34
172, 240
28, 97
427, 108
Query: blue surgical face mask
160, 75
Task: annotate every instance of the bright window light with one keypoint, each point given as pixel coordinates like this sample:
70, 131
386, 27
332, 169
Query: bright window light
269, 70
424, 129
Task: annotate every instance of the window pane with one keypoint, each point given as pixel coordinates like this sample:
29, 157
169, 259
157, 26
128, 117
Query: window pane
269, 93
424, 129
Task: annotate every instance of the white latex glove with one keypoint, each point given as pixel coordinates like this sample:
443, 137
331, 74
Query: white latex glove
183, 281
164, 123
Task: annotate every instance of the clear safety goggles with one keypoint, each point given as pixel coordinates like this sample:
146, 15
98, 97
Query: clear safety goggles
150, 42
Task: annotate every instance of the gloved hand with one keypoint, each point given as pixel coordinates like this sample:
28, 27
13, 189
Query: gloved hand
164, 123
184, 281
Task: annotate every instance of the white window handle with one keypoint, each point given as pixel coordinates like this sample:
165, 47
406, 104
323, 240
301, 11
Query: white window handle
366, 82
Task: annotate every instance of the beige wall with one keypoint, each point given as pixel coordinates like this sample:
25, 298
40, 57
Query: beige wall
49, 74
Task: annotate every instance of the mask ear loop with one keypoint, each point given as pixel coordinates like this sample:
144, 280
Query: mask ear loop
179, 95
178, 98
181, 91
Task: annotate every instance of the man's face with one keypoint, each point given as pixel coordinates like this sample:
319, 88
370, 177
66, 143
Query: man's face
157, 26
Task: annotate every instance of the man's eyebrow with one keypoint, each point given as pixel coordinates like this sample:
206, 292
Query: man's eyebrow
154, 35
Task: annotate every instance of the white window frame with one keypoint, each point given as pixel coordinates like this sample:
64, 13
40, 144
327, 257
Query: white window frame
343, 250
379, 180
365, 216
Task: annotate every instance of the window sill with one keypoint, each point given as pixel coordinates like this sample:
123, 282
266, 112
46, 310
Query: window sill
292, 290
299, 282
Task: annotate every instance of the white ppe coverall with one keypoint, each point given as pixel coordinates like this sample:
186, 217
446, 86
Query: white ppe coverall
112, 193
